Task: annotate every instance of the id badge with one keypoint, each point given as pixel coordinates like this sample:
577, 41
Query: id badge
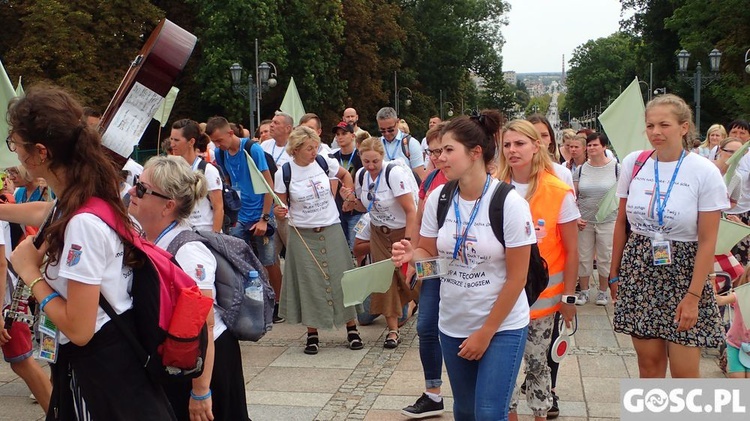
661, 250
49, 340
431, 268
360, 225
236, 188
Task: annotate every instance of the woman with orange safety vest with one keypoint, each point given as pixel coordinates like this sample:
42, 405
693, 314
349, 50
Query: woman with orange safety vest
525, 163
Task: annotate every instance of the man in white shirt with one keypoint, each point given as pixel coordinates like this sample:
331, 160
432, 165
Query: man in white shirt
434, 121
399, 145
281, 127
312, 121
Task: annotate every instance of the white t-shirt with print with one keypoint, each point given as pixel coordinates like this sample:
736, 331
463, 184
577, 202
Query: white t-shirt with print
280, 157
385, 210
198, 262
311, 202
697, 188
93, 255
202, 217
469, 290
569, 210
563, 173
6, 242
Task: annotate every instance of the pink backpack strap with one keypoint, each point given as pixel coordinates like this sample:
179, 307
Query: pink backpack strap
640, 161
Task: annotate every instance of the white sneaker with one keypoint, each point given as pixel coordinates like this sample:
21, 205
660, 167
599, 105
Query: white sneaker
601, 298
583, 298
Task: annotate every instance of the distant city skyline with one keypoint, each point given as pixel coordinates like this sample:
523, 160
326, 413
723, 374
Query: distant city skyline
541, 31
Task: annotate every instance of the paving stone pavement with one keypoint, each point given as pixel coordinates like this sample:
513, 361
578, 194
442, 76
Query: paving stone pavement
373, 384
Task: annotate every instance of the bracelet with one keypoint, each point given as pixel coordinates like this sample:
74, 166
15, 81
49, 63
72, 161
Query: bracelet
200, 398
47, 299
613, 280
407, 238
694, 294
31, 285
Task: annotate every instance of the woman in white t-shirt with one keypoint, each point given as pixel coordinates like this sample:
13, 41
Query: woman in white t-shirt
664, 301
317, 254
484, 312
547, 136
387, 195
186, 140
97, 375
162, 201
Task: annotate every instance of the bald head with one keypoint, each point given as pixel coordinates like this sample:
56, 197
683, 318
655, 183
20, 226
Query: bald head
350, 116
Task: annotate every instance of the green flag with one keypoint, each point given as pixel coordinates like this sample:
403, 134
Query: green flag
608, 204
7, 158
19, 87
260, 185
743, 300
625, 123
358, 283
292, 103
733, 161
730, 233
165, 109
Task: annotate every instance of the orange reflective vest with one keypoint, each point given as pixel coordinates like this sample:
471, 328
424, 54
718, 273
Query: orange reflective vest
546, 204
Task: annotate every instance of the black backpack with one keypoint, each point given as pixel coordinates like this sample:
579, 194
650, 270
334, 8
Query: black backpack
286, 173
232, 202
538, 276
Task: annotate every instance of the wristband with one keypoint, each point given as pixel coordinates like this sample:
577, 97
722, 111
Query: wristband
200, 398
47, 299
694, 294
613, 280
31, 285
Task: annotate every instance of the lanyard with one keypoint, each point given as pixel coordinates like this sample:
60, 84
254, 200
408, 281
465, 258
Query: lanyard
385, 146
377, 183
348, 164
166, 230
461, 239
195, 163
660, 206
276, 159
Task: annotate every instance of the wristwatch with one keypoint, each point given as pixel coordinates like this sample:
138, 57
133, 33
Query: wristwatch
266, 217
568, 299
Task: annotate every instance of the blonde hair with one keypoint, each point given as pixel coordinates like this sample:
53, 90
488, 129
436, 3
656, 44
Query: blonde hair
403, 126
714, 128
300, 135
360, 136
568, 134
174, 176
371, 144
540, 162
681, 112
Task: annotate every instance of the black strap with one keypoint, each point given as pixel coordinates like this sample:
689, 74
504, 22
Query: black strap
429, 179
140, 352
286, 173
496, 211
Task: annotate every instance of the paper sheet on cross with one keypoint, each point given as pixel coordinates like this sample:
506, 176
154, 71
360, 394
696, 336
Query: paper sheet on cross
730, 233
260, 185
360, 282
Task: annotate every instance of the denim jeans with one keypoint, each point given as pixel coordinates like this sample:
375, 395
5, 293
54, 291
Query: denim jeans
348, 222
262, 245
427, 328
482, 389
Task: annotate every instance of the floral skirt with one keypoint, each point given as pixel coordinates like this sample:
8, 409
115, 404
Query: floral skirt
648, 296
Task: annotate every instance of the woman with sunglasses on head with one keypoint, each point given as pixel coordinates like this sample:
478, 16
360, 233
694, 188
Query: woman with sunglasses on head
393, 216
317, 254
482, 322
186, 141
97, 375
162, 201
526, 164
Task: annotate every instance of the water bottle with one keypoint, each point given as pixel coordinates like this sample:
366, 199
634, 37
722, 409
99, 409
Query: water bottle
541, 230
253, 287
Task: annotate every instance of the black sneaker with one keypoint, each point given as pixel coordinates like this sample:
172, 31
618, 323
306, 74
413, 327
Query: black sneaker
553, 412
276, 317
424, 407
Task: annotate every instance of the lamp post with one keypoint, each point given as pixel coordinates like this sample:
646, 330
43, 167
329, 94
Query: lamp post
747, 61
660, 91
450, 108
698, 80
264, 79
648, 89
407, 102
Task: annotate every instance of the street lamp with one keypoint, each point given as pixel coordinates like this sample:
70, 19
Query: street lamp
265, 79
648, 88
697, 80
450, 108
407, 102
747, 61
660, 91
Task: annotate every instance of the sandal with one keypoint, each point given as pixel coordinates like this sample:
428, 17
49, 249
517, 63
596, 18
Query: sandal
391, 343
312, 344
355, 341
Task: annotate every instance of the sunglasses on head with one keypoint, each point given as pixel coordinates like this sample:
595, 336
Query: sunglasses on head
141, 190
370, 193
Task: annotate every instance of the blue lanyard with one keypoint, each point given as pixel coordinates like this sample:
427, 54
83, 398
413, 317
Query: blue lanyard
166, 230
348, 164
377, 183
195, 163
276, 159
461, 239
385, 146
660, 206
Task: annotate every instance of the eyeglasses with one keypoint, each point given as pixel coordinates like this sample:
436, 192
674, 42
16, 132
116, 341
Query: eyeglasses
370, 192
389, 129
141, 190
435, 152
729, 151
12, 146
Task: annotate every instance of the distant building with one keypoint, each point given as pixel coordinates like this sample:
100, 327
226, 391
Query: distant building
510, 77
479, 82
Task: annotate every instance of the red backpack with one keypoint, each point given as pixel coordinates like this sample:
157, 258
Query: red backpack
169, 310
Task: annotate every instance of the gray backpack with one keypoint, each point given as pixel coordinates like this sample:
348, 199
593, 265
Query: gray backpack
234, 261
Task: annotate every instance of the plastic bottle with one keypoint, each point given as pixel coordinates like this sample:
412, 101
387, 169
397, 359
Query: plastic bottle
541, 230
253, 287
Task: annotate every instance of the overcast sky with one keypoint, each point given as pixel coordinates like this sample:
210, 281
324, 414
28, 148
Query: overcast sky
541, 31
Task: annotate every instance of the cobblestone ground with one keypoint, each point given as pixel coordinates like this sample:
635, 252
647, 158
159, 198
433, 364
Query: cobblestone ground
282, 383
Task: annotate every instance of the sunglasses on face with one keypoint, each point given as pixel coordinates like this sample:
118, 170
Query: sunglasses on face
141, 190
434, 152
388, 130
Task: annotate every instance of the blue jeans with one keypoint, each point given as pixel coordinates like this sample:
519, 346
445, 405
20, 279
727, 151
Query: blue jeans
482, 389
427, 328
262, 245
348, 222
